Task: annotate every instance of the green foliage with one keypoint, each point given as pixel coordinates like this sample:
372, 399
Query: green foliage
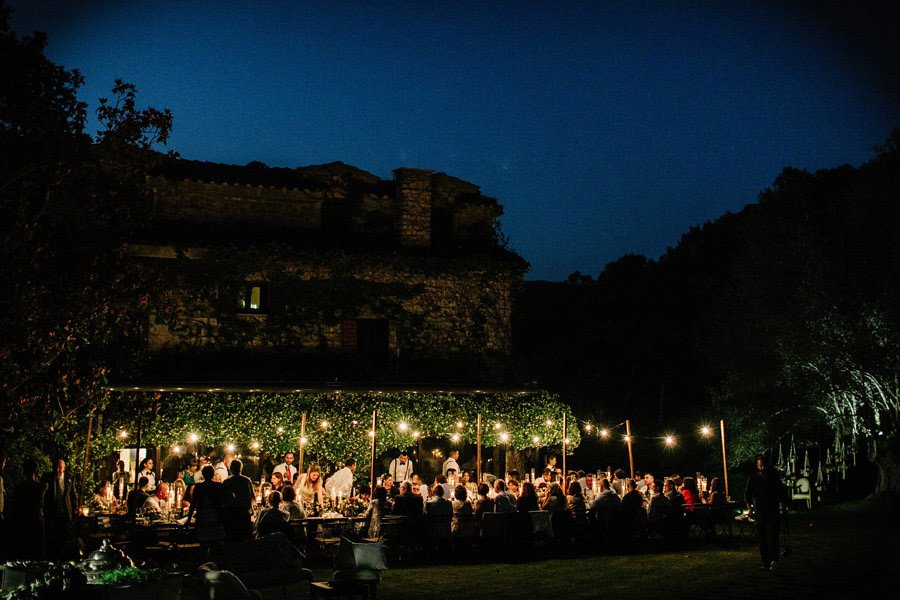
53, 581
221, 418
73, 309
130, 576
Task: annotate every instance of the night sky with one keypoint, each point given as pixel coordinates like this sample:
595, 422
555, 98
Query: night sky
602, 127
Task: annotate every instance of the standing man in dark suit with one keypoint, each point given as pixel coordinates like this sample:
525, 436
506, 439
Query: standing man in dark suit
763, 498
25, 534
60, 506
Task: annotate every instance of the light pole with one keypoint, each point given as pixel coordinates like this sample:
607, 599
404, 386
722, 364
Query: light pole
628, 439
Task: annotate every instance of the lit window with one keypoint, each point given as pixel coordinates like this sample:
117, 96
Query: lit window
251, 298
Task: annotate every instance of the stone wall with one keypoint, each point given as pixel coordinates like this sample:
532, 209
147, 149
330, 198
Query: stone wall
406, 214
201, 202
461, 311
413, 211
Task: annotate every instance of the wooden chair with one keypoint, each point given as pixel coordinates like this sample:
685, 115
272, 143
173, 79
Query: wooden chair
493, 531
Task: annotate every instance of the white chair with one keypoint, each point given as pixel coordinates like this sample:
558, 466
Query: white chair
802, 491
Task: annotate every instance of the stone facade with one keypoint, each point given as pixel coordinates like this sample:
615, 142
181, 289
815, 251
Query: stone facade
419, 303
414, 199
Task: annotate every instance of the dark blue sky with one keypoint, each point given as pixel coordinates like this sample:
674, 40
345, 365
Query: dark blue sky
602, 127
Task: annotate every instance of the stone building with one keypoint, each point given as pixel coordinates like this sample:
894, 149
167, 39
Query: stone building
326, 273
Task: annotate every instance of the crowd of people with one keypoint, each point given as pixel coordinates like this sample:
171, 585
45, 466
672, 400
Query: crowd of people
224, 504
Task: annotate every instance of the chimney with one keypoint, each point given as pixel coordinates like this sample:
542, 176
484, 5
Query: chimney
413, 208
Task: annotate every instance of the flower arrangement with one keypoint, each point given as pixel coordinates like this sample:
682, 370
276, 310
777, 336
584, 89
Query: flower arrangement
351, 507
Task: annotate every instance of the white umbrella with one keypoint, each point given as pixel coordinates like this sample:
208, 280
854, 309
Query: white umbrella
792, 457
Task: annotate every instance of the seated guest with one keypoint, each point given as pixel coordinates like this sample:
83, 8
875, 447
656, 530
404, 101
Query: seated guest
618, 482
690, 494
660, 506
190, 470
158, 501
463, 524
676, 500
375, 513
419, 487
716, 493
607, 499
465, 478
575, 499
581, 478
202, 462
137, 497
633, 500
289, 503
555, 499
277, 481
387, 482
365, 494
442, 481
483, 504
437, 505
528, 499
545, 480
102, 496
272, 519
504, 502
408, 504
513, 487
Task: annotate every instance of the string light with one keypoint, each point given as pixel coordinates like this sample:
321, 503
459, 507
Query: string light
416, 434
535, 439
459, 424
371, 433
548, 423
627, 438
254, 446
123, 434
193, 438
177, 449
303, 441
280, 430
587, 428
706, 431
496, 425
604, 433
455, 437
229, 448
324, 424
402, 426
504, 437
670, 440
354, 422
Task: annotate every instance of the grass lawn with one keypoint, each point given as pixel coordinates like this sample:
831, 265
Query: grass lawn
846, 551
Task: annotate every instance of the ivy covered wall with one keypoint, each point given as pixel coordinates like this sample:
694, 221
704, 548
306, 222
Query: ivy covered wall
338, 424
